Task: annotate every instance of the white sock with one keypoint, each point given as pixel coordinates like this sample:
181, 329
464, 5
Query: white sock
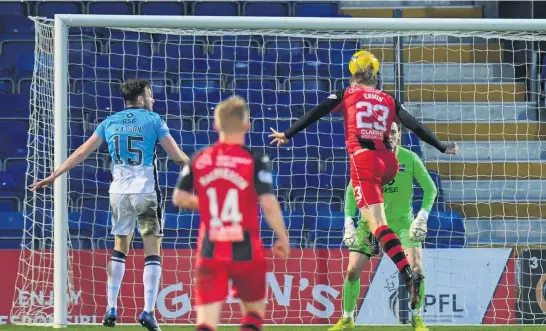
347, 314
117, 269
152, 275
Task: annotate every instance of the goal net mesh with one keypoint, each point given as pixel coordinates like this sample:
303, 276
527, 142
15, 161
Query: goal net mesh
480, 89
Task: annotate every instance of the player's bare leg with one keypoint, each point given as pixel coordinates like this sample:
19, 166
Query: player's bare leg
151, 278
116, 270
351, 290
208, 316
390, 243
253, 313
415, 257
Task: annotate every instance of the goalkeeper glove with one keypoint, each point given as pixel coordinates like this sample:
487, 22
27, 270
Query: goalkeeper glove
418, 228
349, 233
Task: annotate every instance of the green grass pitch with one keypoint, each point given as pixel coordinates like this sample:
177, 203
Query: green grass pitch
292, 328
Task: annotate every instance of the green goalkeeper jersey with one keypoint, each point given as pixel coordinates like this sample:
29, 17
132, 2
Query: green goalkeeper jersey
398, 194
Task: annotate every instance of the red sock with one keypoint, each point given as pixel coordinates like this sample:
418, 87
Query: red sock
392, 246
203, 327
251, 322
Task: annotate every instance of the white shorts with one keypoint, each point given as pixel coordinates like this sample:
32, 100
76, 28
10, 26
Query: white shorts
143, 209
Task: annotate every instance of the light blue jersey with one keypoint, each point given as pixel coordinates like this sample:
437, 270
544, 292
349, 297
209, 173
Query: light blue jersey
132, 135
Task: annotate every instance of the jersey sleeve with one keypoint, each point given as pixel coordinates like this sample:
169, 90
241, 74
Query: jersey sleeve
263, 178
185, 180
350, 202
330, 104
425, 181
161, 127
101, 129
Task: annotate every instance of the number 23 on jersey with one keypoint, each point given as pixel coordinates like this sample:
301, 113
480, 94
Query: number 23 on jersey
371, 116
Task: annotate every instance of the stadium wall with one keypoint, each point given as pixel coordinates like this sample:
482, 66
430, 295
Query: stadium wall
306, 289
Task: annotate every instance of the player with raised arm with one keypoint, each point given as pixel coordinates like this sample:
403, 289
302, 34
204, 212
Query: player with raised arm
135, 199
229, 180
398, 195
368, 114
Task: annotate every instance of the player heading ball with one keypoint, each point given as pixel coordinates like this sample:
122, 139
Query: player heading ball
368, 114
229, 180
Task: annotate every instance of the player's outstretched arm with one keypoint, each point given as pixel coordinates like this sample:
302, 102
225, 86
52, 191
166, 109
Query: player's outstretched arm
273, 217
418, 230
175, 153
73, 160
310, 117
183, 196
423, 132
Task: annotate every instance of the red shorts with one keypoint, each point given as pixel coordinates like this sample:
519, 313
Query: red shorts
212, 280
370, 170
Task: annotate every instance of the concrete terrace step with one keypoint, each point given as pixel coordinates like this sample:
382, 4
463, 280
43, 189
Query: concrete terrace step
489, 170
500, 209
419, 73
495, 151
472, 112
483, 131
439, 53
457, 92
487, 190
418, 12
505, 231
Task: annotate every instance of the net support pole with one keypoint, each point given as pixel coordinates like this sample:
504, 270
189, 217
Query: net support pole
60, 193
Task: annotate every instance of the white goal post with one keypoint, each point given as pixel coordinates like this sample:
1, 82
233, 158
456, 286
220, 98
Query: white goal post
64, 22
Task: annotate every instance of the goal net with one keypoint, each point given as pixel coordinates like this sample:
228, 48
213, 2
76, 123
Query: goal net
482, 256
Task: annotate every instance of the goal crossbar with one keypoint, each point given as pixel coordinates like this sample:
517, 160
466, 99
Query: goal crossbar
302, 23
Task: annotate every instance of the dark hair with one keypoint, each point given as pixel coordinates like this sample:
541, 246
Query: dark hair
365, 77
133, 88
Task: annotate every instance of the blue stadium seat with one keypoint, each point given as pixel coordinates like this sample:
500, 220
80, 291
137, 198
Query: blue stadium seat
411, 142
50, 8
14, 105
14, 8
184, 57
180, 124
285, 50
327, 229
162, 8
201, 90
256, 83
445, 230
96, 94
12, 229
94, 204
15, 26
6, 85
25, 63
294, 223
310, 84
180, 230
17, 168
14, 137
277, 9
316, 9
111, 8
14, 48
308, 98
216, 8
7, 65
89, 179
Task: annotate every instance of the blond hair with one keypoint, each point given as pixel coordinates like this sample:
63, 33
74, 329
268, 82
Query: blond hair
366, 77
231, 115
